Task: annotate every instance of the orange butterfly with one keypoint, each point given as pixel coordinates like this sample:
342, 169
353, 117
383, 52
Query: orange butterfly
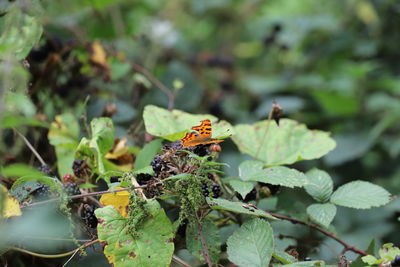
202, 136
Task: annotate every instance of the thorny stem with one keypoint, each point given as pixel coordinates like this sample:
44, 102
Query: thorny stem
323, 231
84, 195
160, 85
204, 245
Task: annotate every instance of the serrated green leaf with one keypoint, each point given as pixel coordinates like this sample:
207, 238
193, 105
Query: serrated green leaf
320, 185
249, 169
238, 207
284, 144
172, 125
147, 154
212, 238
322, 214
281, 175
360, 195
252, 244
243, 188
152, 247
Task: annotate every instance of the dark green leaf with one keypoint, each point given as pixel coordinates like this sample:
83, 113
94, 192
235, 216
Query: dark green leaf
320, 185
322, 214
252, 244
360, 195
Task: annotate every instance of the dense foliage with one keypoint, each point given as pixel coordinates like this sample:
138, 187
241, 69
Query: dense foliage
95, 97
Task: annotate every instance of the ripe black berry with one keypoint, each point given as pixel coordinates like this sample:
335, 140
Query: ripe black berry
143, 178
307, 259
71, 189
216, 189
252, 195
204, 189
80, 168
156, 164
396, 261
201, 150
114, 179
88, 216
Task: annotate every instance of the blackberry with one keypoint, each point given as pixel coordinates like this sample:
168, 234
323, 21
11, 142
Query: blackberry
396, 261
156, 164
252, 195
71, 189
204, 189
216, 189
114, 179
307, 259
210, 176
201, 150
46, 170
42, 193
80, 168
143, 178
88, 216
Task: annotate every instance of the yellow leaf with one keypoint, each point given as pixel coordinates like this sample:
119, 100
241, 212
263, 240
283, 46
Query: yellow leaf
11, 205
119, 149
119, 200
98, 55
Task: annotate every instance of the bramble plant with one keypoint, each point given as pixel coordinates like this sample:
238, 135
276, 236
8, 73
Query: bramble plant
189, 182
94, 169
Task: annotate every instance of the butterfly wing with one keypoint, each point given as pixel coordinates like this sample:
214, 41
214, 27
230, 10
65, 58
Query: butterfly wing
202, 136
204, 129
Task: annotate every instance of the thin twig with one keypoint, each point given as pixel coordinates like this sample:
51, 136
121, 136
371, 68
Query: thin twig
53, 256
160, 85
70, 258
178, 260
30, 147
323, 231
84, 195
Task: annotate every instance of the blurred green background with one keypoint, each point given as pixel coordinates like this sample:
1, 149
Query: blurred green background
333, 65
